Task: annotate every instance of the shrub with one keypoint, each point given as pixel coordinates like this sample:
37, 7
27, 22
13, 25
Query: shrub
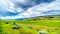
30, 27
16, 27
14, 23
7, 22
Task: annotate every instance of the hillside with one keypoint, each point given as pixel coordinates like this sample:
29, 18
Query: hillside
31, 26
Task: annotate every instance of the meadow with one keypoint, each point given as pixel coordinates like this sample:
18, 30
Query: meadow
30, 26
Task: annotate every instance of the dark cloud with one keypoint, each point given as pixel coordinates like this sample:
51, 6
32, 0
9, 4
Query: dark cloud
30, 3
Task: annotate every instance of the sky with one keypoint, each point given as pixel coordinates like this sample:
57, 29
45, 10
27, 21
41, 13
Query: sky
19, 9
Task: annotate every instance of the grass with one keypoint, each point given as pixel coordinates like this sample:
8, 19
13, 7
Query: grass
30, 26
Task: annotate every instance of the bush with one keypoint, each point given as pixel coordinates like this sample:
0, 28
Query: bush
30, 27
16, 27
14, 23
7, 22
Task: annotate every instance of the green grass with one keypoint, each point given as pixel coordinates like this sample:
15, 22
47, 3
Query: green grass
51, 26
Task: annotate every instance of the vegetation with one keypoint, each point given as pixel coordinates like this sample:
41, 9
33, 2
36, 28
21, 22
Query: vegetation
31, 26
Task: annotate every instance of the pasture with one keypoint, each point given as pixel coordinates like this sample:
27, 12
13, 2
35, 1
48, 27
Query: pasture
29, 26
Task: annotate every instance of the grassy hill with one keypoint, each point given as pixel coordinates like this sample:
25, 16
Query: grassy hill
31, 26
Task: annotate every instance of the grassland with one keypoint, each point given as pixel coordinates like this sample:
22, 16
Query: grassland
30, 26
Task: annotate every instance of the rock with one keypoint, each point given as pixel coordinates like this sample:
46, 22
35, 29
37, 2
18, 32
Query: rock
42, 32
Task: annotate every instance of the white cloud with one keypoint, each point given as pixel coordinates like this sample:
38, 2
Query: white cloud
33, 11
3, 5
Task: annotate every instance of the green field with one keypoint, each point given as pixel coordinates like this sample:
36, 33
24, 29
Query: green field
30, 26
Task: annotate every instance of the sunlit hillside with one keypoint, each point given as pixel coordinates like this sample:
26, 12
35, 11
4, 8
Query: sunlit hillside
37, 25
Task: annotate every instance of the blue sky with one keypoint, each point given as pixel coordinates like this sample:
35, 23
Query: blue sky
18, 9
